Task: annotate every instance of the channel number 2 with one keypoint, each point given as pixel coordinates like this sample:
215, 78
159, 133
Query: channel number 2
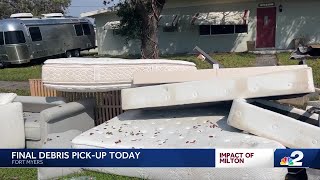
296, 160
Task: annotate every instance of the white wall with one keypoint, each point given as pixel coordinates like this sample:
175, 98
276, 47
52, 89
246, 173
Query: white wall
110, 43
298, 19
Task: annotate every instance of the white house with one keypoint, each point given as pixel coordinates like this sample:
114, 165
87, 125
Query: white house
220, 26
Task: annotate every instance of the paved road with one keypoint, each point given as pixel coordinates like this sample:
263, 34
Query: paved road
13, 85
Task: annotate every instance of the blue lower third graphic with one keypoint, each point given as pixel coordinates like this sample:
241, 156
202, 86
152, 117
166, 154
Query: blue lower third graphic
297, 158
107, 158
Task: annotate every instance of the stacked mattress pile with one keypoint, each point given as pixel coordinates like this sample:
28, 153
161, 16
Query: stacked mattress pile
181, 107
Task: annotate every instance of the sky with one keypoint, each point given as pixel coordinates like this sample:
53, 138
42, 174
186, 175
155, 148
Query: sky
79, 6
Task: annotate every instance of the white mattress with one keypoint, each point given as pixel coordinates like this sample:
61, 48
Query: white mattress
264, 123
204, 127
149, 78
295, 81
101, 74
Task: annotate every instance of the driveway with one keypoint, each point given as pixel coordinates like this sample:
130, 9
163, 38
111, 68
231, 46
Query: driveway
13, 85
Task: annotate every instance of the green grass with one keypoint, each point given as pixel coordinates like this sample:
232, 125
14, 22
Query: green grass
20, 92
228, 60
98, 176
283, 59
18, 173
31, 173
20, 73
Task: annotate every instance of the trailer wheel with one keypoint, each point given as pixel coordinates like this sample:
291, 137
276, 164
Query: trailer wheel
68, 54
76, 53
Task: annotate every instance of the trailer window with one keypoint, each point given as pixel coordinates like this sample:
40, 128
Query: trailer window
86, 29
78, 30
35, 33
14, 37
1, 38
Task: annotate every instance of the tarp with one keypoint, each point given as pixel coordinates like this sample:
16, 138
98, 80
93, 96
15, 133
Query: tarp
221, 18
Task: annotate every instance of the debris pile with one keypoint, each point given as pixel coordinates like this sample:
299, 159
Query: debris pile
213, 108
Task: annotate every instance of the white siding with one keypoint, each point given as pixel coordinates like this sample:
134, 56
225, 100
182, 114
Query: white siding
298, 19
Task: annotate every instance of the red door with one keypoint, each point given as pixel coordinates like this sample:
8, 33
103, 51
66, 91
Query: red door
266, 27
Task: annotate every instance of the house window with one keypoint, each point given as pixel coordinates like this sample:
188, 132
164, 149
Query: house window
1, 38
241, 28
170, 28
222, 29
205, 30
35, 34
78, 29
86, 29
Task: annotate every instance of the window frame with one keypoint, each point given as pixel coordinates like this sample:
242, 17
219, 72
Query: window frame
38, 38
217, 34
18, 42
77, 30
1, 38
84, 31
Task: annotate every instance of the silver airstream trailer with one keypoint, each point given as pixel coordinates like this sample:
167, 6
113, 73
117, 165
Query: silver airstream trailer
23, 37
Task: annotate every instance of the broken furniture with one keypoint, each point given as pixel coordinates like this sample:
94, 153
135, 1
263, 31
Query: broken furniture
27, 121
102, 74
311, 51
46, 115
208, 58
193, 127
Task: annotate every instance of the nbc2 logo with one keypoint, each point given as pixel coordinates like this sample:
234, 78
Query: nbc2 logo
293, 160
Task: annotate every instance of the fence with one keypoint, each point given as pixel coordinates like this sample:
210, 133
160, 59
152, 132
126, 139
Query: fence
37, 89
108, 104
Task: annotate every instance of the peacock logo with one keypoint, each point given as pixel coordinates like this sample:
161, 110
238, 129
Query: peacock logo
294, 159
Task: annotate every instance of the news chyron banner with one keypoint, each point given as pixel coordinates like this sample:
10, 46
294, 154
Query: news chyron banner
215, 158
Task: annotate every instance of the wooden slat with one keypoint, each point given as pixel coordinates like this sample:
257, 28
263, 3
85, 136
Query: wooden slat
108, 104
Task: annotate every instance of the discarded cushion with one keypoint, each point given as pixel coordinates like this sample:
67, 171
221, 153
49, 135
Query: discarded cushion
101, 74
6, 98
265, 123
32, 126
202, 127
12, 126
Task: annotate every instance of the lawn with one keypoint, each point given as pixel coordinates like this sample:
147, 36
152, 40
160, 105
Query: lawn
31, 173
283, 59
228, 60
20, 73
